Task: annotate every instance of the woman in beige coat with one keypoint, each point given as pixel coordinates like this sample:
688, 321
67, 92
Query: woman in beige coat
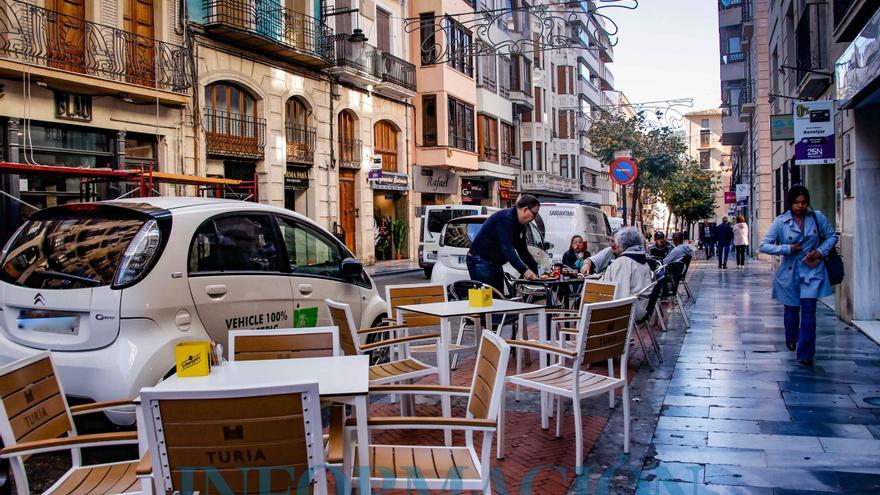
741, 240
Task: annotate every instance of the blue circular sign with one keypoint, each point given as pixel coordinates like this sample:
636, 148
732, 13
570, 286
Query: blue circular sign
624, 171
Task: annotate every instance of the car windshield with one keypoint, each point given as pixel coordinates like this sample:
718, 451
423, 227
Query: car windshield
70, 251
461, 234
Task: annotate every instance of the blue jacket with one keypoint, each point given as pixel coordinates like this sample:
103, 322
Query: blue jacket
724, 234
794, 279
502, 239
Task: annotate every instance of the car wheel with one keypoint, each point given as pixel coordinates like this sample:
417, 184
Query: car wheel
428, 270
382, 355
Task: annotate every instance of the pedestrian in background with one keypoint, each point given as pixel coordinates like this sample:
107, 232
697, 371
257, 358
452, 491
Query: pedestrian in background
723, 236
741, 240
801, 277
707, 237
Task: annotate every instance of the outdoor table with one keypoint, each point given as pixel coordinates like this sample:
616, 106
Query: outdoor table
342, 379
551, 284
447, 310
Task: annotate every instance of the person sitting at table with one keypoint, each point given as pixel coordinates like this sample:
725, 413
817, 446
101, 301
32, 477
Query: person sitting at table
630, 268
598, 262
577, 253
660, 248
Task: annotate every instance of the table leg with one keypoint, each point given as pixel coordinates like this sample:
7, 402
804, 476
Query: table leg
443, 365
542, 338
363, 440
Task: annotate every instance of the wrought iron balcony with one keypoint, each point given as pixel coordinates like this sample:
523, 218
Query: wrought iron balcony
350, 153
488, 154
398, 71
730, 58
362, 57
268, 28
45, 38
232, 135
542, 181
510, 159
300, 144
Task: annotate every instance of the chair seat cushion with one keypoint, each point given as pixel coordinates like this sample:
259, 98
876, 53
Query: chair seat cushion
417, 462
393, 369
561, 379
108, 479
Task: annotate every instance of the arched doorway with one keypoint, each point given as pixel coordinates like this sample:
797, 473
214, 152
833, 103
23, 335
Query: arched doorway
300, 137
349, 164
389, 195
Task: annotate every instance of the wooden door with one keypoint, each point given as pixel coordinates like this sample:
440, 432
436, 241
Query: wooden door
67, 47
383, 21
346, 207
139, 42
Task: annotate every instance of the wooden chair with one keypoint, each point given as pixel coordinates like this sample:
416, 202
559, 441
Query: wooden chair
446, 468
288, 343
603, 333
593, 291
35, 418
259, 439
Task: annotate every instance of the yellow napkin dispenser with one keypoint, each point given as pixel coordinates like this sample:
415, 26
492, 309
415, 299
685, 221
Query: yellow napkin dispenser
193, 358
480, 298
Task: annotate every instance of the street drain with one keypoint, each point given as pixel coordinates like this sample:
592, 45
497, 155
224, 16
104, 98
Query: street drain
874, 401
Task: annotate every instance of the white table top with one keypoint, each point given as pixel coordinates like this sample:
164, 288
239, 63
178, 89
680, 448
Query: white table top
463, 308
336, 376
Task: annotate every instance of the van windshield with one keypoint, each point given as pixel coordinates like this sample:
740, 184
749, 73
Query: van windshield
461, 235
72, 250
438, 218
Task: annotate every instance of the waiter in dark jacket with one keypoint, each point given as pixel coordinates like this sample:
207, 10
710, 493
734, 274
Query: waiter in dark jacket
502, 239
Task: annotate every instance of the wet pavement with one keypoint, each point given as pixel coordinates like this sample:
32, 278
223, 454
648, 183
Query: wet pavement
741, 416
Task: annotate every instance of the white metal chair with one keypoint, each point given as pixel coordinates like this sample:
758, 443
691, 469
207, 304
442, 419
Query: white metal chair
603, 333
445, 468
35, 418
259, 439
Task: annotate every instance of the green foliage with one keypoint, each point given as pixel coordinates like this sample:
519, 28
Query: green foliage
398, 232
690, 193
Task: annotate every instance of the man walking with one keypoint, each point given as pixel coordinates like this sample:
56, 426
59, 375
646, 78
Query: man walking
707, 237
502, 239
724, 236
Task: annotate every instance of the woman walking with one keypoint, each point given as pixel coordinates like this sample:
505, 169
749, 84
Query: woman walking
741, 240
801, 277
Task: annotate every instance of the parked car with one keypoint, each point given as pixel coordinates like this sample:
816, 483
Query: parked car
434, 218
112, 287
455, 241
561, 221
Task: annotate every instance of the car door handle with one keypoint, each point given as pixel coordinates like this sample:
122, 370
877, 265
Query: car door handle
305, 289
215, 290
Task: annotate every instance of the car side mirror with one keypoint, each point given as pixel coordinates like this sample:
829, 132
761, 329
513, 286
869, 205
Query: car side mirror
351, 268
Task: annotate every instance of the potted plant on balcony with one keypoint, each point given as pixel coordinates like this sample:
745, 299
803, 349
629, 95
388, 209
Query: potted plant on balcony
398, 234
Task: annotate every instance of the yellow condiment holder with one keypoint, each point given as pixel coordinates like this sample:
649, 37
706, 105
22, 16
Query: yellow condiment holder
480, 298
193, 358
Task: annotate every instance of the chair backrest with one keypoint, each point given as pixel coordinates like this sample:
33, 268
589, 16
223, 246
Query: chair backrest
458, 290
604, 331
399, 295
340, 315
32, 402
488, 380
259, 439
287, 343
653, 292
687, 264
597, 291
675, 272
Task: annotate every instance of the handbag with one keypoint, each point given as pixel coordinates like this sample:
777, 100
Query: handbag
833, 261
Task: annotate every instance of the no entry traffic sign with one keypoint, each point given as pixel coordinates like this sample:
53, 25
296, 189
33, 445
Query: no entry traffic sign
624, 171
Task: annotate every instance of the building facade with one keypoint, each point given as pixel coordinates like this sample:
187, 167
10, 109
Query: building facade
703, 137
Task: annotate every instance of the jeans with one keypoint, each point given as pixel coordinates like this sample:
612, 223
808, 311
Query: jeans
741, 254
800, 327
723, 251
709, 246
483, 270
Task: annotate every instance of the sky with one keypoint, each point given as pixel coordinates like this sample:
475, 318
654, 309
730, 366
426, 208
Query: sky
668, 49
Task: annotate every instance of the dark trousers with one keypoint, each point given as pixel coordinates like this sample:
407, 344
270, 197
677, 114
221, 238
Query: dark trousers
800, 327
483, 270
741, 254
709, 246
723, 252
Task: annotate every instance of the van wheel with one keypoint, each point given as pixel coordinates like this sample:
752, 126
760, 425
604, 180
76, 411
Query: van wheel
428, 270
378, 356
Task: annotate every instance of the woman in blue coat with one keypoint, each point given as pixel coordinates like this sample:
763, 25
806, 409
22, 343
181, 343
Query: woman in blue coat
801, 277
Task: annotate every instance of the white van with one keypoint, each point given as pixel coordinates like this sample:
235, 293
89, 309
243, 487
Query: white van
434, 217
562, 221
616, 223
112, 287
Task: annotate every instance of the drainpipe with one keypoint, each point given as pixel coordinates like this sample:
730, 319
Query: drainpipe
332, 154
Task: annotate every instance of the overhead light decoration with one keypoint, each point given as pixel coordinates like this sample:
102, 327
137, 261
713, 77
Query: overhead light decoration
511, 31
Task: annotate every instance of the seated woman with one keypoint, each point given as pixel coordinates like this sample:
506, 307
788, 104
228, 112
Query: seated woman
576, 254
630, 269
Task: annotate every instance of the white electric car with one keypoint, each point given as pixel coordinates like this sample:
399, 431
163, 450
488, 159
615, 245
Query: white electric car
112, 287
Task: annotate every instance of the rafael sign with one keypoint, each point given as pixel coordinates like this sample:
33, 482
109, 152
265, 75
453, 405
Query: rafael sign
434, 180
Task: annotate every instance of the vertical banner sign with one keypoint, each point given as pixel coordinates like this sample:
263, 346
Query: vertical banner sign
814, 133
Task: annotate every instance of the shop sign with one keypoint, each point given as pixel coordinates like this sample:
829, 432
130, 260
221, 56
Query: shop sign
376, 162
859, 65
742, 192
474, 189
374, 174
814, 133
391, 181
73, 107
434, 180
505, 189
729, 197
781, 127
296, 178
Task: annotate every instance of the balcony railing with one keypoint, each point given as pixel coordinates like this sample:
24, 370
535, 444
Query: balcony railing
729, 4
350, 154
398, 71
747, 93
539, 180
747, 11
509, 159
300, 144
37, 36
489, 154
293, 35
359, 56
233, 135
730, 58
